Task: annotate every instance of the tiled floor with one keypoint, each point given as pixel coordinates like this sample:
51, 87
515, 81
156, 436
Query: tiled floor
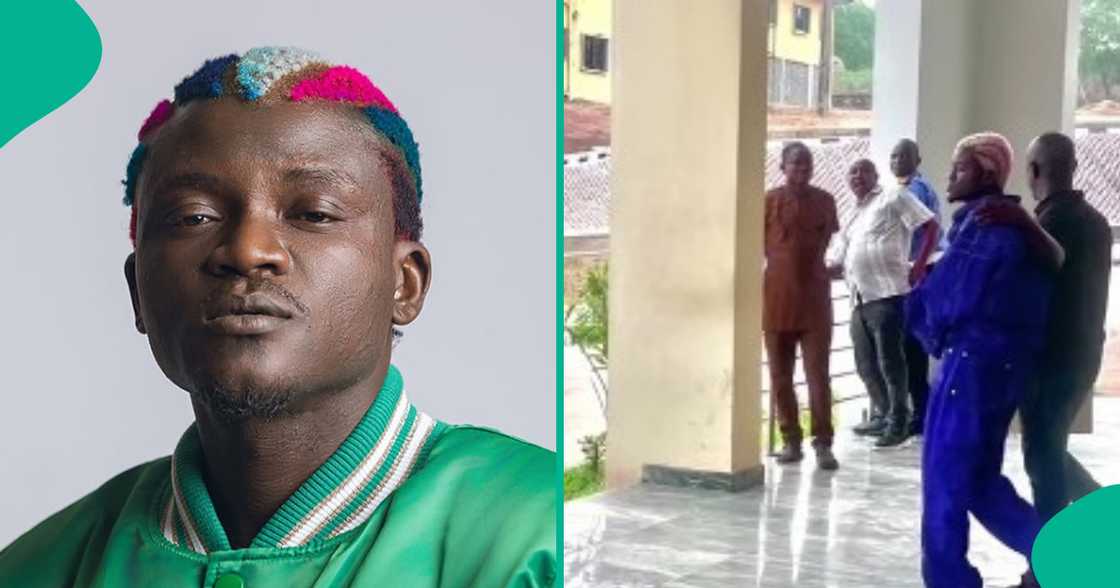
855, 528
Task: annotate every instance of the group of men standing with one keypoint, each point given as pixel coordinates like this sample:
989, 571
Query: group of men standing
1013, 308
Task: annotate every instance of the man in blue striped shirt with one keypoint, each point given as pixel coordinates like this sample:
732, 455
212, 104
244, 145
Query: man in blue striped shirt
905, 159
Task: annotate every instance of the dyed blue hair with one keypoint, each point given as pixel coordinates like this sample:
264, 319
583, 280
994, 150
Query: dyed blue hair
281, 74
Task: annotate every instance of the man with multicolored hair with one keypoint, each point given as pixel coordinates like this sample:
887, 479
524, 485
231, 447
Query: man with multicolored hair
276, 232
983, 312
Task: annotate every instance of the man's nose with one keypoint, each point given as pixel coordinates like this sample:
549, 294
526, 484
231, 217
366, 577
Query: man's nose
252, 244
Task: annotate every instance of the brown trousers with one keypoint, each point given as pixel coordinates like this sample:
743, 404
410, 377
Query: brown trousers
781, 350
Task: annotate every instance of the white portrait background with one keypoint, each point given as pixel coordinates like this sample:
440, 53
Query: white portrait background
82, 397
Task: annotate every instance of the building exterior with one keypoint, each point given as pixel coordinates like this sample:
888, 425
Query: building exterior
794, 47
685, 301
794, 50
587, 50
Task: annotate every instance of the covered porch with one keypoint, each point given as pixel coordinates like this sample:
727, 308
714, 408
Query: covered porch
857, 527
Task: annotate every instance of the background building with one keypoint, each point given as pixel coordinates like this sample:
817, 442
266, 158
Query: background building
587, 50
794, 48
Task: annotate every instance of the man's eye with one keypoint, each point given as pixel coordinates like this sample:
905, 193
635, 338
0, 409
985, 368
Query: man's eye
194, 220
314, 217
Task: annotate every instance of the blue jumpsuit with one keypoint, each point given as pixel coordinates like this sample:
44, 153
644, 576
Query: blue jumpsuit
983, 311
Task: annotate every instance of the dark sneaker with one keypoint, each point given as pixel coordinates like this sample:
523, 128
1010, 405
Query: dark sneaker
790, 454
892, 438
873, 427
825, 459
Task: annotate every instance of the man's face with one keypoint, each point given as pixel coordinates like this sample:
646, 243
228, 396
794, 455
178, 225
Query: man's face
965, 178
798, 167
862, 178
904, 160
266, 264
1033, 169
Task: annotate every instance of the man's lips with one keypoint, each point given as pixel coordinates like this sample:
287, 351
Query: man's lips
245, 324
254, 314
255, 303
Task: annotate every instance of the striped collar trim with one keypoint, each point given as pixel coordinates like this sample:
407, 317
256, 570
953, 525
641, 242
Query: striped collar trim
391, 442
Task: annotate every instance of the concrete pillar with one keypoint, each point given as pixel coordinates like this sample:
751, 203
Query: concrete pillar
948, 68
909, 75
688, 143
1026, 71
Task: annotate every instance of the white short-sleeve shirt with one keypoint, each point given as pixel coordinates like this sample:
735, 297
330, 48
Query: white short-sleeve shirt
874, 247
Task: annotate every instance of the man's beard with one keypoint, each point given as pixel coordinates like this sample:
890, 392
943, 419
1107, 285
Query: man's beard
232, 406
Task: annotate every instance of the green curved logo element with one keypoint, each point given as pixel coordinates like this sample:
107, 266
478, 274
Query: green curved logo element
52, 49
1077, 548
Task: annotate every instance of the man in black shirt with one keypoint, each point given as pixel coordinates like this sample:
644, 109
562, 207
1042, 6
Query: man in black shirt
1074, 240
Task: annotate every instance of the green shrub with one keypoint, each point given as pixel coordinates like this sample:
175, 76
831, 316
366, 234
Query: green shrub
589, 327
856, 81
582, 481
587, 478
854, 39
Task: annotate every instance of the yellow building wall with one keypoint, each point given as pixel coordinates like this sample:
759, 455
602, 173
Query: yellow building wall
593, 17
587, 17
795, 46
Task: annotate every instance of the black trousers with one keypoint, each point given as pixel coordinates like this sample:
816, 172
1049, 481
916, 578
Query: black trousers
877, 338
917, 372
1047, 414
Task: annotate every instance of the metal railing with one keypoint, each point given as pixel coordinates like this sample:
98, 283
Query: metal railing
841, 321
840, 324
595, 361
836, 351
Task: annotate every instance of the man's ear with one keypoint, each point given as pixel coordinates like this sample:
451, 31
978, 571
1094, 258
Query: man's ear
988, 178
130, 277
413, 264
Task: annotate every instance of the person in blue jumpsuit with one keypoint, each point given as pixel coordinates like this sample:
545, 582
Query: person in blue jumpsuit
982, 311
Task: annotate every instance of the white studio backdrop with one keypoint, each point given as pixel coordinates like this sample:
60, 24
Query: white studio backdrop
82, 396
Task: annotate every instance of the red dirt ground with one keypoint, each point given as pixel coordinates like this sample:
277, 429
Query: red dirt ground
588, 124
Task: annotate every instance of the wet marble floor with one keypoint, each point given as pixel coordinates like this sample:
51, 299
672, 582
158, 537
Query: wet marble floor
854, 528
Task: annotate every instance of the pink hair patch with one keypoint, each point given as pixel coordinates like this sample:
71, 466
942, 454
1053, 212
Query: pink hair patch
341, 84
160, 114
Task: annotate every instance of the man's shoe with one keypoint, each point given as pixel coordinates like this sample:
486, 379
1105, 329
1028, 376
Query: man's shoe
791, 453
825, 459
872, 427
892, 438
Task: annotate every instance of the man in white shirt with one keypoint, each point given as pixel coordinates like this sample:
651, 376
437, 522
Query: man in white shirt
872, 252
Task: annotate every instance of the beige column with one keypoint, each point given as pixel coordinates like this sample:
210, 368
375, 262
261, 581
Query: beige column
688, 144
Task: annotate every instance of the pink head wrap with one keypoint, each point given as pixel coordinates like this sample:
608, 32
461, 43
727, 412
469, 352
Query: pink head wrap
992, 152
